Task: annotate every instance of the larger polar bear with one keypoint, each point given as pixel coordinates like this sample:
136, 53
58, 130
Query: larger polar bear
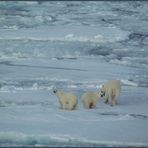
90, 99
68, 101
111, 91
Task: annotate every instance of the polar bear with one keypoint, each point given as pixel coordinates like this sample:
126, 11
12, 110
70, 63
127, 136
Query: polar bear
90, 99
68, 101
111, 91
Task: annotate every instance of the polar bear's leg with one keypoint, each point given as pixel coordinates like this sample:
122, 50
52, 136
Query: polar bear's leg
106, 98
86, 105
110, 100
115, 99
61, 105
110, 95
91, 105
94, 106
70, 105
64, 105
74, 106
95, 102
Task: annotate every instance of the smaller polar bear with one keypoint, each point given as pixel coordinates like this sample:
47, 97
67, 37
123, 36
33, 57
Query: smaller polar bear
68, 101
90, 99
111, 91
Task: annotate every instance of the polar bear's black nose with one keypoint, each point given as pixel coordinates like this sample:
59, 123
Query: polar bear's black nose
102, 93
54, 91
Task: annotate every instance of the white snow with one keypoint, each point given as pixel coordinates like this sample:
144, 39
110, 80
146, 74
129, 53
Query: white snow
77, 52
33, 117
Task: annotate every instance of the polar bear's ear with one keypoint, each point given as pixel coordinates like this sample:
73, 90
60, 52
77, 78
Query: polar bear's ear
98, 86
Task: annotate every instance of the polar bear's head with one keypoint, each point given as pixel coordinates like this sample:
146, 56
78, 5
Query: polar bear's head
102, 91
57, 92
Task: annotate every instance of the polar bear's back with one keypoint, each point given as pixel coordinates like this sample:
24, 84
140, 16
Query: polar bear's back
114, 84
69, 96
89, 99
89, 96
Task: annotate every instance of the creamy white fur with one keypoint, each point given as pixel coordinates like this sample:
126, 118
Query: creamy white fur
90, 99
111, 89
68, 101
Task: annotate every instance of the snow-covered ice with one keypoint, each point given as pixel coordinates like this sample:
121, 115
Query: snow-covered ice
76, 48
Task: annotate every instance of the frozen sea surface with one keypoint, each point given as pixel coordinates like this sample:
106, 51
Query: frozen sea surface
75, 47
